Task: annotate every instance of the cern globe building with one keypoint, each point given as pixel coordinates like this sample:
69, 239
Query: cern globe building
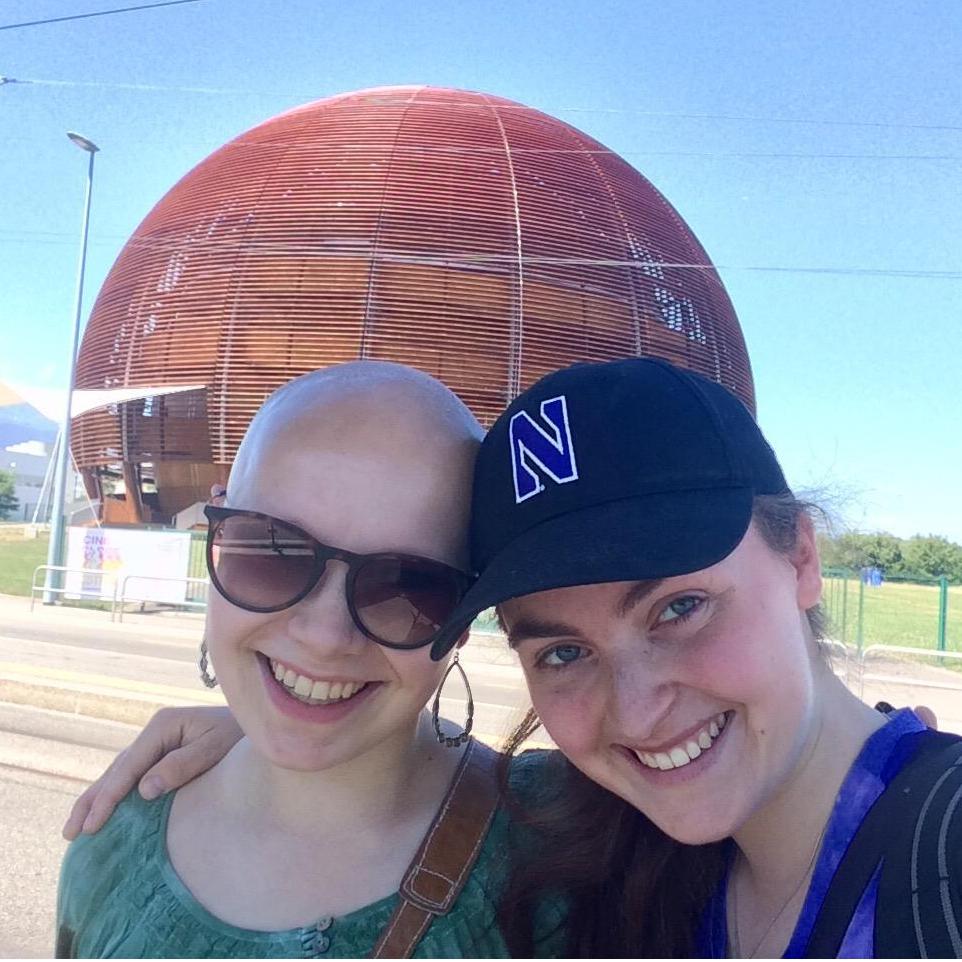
477, 239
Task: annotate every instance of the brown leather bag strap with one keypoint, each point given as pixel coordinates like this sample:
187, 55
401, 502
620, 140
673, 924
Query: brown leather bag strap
447, 854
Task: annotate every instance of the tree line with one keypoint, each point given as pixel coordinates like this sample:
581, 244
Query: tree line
9, 505
921, 556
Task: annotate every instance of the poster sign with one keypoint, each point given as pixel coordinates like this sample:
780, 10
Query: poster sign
110, 555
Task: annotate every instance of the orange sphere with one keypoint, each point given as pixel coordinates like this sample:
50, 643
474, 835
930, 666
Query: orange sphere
469, 236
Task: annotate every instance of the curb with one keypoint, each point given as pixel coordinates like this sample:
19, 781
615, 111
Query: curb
132, 703
94, 696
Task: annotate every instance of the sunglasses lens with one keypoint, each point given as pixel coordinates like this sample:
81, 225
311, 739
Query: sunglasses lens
258, 563
404, 601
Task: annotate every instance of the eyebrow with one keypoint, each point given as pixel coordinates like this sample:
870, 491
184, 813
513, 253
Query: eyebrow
533, 628
636, 594
528, 629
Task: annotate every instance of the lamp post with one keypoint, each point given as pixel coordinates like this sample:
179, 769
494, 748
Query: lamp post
55, 552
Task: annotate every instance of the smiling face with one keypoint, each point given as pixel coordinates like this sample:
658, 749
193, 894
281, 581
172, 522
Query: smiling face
381, 465
694, 698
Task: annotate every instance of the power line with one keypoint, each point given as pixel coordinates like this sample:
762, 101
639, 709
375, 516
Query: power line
496, 153
668, 115
136, 87
96, 13
746, 118
467, 259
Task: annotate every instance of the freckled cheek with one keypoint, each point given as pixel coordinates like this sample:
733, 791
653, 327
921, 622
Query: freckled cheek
572, 715
736, 660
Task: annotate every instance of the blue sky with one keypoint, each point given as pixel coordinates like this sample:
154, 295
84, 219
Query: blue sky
815, 150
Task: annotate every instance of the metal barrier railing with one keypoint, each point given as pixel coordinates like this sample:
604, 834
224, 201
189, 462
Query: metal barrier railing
117, 594
121, 598
874, 651
847, 655
80, 593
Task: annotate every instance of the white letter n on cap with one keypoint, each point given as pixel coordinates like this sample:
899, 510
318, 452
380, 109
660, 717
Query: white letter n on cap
535, 451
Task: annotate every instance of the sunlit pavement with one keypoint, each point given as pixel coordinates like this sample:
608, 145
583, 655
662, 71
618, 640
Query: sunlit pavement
80, 662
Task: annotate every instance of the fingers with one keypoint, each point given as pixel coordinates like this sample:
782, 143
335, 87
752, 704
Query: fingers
927, 716
78, 814
183, 764
96, 804
206, 736
178, 744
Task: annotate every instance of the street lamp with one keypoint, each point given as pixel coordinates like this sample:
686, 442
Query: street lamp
55, 552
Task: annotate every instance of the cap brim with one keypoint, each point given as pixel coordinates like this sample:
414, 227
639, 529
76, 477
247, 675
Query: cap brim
651, 536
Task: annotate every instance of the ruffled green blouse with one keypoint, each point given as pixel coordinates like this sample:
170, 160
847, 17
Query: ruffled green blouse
120, 897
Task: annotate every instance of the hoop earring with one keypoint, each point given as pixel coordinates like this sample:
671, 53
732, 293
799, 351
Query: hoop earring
206, 675
443, 739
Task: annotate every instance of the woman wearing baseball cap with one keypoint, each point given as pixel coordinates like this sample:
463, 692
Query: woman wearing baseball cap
661, 586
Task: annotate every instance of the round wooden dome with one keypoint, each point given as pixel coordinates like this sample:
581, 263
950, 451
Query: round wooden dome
472, 237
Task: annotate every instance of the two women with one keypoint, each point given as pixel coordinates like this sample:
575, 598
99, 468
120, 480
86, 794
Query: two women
723, 792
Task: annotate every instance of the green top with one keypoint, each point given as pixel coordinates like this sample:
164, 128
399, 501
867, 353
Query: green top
120, 897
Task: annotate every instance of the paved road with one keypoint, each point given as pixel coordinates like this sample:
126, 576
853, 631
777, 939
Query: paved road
32, 809
46, 760
160, 649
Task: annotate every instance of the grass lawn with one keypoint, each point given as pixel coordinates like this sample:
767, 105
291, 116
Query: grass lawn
894, 614
17, 562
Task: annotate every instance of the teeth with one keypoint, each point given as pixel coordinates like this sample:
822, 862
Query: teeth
311, 691
680, 755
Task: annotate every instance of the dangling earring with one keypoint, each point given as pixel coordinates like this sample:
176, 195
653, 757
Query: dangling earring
436, 709
206, 675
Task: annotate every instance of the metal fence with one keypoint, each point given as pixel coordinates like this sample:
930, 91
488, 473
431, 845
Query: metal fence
113, 592
868, 609
195, 593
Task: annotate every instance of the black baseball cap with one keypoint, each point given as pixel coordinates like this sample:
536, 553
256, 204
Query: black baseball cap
621, 471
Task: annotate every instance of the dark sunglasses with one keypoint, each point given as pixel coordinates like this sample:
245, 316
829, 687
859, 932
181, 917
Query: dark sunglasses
263, 564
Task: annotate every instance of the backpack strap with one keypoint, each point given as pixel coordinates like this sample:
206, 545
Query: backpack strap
919, 897
450, 848
885, 838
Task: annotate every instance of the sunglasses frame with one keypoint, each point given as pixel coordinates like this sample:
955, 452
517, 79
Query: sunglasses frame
323, 553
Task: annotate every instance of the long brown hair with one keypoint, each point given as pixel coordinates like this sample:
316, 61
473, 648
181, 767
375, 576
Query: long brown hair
630, 890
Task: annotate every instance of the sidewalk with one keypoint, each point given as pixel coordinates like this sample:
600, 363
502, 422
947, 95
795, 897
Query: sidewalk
124, 695
77, 661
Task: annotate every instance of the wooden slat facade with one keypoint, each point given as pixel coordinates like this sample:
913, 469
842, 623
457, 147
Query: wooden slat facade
479, 240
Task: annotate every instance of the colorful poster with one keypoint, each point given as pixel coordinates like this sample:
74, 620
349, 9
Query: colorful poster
144, 565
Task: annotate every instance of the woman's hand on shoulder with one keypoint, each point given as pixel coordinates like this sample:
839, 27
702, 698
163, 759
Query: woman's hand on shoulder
176, 745
927, 716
